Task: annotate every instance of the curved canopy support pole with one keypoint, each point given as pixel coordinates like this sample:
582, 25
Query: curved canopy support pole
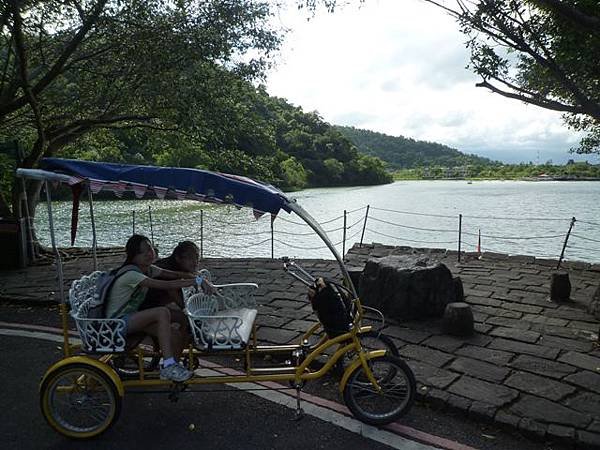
311, 222
94, 240
59, 270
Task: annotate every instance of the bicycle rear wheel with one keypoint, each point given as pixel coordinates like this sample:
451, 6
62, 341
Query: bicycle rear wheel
79, 401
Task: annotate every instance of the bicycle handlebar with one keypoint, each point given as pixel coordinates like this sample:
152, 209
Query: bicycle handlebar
298, 272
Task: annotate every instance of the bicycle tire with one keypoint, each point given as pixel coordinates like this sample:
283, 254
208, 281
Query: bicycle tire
395, 399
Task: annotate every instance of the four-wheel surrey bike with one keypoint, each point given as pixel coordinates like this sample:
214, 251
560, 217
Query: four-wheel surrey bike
81, 394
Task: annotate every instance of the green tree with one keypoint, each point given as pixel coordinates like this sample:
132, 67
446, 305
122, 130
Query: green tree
400, 152
542, 52
71, 68
293, 173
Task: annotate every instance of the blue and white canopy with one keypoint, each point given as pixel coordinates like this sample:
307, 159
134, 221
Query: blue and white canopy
182, 183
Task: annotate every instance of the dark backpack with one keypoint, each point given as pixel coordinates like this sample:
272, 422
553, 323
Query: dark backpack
104, 283
333, 304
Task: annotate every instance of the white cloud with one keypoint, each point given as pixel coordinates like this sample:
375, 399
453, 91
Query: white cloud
398, 67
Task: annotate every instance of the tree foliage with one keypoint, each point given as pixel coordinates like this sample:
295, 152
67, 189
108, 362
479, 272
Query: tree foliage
542, 52
160, 82
267, 138
69, 68
530, 171
405, 153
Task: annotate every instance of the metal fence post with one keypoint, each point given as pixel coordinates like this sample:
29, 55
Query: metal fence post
562, 253
344, 238
133, 220
364, 225
201, 233
151, 228
459, 234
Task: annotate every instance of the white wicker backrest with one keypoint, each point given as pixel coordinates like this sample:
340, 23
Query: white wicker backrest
83, 290
202, 305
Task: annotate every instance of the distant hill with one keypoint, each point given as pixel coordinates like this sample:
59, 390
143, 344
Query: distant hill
406, 153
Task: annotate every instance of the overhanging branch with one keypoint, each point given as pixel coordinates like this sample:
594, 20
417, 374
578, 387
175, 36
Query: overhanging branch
537, 101
77, 126
60, 62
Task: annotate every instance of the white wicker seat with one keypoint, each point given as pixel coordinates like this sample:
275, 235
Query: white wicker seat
224, 321
228, 325
97, 335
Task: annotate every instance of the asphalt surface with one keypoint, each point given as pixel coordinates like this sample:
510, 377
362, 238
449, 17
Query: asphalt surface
222, 418
228, 419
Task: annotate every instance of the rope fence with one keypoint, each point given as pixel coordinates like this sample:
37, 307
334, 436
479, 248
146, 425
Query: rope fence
229, 233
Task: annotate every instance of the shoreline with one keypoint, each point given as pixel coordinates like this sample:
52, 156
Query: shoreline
529, 179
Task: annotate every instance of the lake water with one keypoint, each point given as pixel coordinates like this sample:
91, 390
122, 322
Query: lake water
512, 216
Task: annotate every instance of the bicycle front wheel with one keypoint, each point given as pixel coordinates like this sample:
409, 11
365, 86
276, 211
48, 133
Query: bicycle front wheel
395, 397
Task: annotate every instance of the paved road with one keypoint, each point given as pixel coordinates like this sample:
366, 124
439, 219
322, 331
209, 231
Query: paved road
223, 420
228, 419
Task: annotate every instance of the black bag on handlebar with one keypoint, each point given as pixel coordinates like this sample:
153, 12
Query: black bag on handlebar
333, 305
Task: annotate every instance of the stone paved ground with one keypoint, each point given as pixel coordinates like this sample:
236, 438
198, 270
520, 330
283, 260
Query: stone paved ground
532, 364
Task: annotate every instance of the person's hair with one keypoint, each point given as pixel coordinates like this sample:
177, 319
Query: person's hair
134, 246
185, 248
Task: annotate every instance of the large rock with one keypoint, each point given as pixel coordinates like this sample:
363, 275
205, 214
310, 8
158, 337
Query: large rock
407, 287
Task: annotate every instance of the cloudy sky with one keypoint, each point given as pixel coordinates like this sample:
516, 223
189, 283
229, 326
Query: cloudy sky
398, 67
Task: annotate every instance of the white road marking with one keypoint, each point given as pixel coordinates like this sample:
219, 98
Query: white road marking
36, 335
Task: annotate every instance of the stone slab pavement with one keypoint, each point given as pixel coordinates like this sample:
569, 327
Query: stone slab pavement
532, 364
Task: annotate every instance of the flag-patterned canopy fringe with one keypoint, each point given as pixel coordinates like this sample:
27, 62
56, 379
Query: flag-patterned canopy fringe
180, 183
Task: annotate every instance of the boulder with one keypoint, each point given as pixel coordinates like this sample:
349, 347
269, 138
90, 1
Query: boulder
407, 286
